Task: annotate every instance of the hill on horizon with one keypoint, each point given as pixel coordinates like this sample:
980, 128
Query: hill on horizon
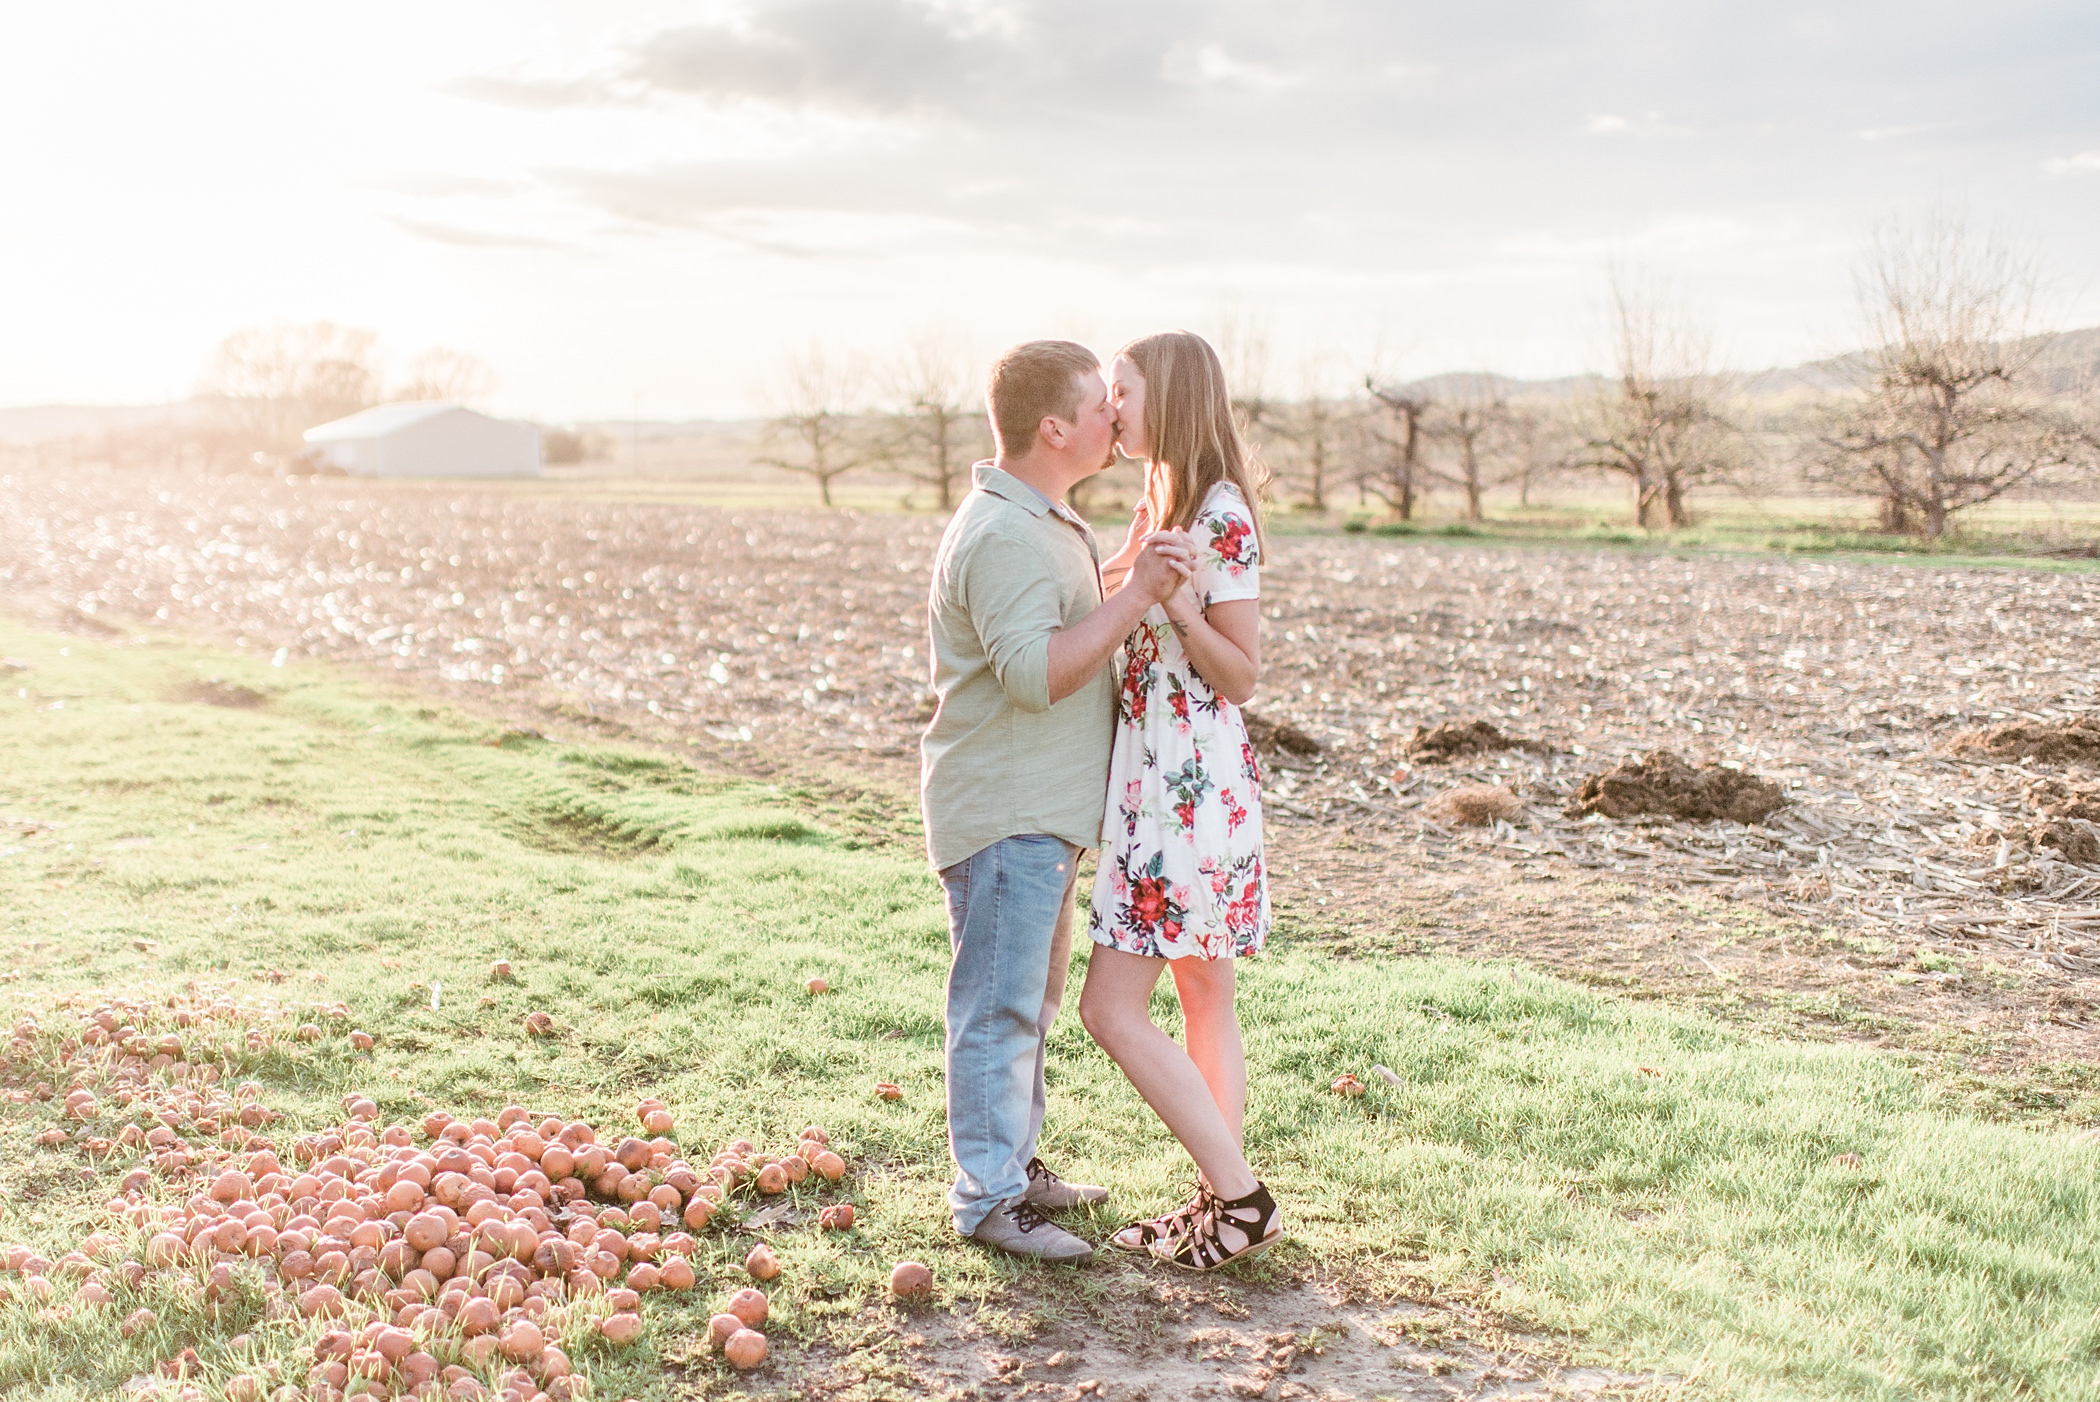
2069, 361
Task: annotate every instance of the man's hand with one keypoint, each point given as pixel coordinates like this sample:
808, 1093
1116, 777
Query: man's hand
1166, 560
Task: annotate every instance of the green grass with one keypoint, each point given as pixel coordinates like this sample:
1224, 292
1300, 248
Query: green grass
2007, 539
1690, 1222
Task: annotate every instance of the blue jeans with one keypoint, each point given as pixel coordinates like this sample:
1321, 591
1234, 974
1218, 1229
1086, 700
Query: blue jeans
1010, 926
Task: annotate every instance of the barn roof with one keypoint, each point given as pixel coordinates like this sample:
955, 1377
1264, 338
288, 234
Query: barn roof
381, 420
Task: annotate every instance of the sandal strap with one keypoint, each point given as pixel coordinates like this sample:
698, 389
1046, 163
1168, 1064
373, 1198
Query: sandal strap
1200, 1244
1151, 1229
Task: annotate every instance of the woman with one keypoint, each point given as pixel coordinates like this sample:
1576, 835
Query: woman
1181, 886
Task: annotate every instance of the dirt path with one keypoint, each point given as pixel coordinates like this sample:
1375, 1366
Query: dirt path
1163, 1338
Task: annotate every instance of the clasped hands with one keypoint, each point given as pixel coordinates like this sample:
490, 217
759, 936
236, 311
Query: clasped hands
1164, 571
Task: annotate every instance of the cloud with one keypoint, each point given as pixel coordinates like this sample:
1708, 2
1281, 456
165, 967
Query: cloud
456, 237
1209, 63
1204, 133
2069, 165
438, 185
529, 93
883, 56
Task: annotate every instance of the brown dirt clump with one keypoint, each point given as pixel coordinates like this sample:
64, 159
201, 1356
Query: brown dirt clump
217, 691
1472, 805
1661, 782
2077, 840
1278, 736
2053, 798
2074, 741
1440, 744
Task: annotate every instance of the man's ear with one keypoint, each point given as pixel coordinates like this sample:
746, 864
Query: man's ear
1052, 432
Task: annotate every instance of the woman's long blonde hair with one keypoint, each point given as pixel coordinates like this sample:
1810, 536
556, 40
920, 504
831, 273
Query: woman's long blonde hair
1195, 441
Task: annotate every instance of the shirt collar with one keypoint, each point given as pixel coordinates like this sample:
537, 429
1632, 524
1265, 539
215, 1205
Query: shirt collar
1001, 483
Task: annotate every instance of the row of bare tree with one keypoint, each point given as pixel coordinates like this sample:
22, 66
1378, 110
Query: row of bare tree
268, 384
1944, 411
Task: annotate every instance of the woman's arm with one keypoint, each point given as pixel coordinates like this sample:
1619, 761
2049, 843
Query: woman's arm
1223, 641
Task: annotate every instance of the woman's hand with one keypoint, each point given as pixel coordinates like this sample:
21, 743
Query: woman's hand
1140, 527
1182, 606
1116, 568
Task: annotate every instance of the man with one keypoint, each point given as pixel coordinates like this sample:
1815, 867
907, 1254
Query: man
1014, 770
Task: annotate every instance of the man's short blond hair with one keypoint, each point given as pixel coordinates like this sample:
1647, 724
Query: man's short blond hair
1034, 381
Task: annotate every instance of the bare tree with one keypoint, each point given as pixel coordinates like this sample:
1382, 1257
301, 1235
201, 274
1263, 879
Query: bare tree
449, 375
269, 384
1538, 446
938, 427
1396, 432
817, 431
1952, 415
1658, 422
1243, 347
1472, 419
1317, 426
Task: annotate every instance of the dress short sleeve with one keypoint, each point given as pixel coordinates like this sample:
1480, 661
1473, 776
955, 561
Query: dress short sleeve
1228, 564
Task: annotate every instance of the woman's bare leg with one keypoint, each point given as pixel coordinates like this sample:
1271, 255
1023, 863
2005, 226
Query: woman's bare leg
1115, 1007
1211, 1028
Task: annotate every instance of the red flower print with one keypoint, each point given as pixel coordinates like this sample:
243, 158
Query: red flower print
1148, 899
1185, 814
1228, 537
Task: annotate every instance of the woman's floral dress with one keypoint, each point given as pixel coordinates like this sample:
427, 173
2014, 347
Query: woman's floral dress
1181, 859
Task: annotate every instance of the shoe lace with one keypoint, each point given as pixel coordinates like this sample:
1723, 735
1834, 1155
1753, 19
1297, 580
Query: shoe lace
1025, 1216
1040, 1172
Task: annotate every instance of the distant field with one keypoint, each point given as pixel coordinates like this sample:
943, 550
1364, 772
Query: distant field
1590, 513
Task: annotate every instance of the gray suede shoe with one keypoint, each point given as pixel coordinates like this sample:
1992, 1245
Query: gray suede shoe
1051, 1193
1019, 1230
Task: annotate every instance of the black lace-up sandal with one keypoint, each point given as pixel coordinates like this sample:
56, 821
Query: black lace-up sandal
1140, 1235
1223, 1230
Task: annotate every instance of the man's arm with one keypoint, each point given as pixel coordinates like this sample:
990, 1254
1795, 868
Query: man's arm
1078, 652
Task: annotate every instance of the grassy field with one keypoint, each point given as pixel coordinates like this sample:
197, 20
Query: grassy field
1651, 1189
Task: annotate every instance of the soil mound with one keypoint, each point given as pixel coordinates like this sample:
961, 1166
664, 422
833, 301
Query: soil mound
1456, 739
2075, 839
2074, 741
1278, 736
2053, 798
1472, 805
1661, 782
217, 691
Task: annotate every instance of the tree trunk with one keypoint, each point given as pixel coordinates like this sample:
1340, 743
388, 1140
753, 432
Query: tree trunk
824, 488
1472, 461
1407, 468
1644, 503
942, 466
1673, 502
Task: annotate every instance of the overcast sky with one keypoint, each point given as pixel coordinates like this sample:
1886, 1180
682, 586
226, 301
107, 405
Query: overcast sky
632, 203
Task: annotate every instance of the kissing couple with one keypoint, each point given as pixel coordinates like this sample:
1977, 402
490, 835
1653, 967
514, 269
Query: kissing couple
1042, 745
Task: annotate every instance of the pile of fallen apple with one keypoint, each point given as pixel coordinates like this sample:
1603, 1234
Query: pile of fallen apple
467, 1267
197, 1036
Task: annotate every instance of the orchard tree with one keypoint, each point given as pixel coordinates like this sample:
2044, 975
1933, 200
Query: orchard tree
937, 426
1658, 421
817, 431
1952, 413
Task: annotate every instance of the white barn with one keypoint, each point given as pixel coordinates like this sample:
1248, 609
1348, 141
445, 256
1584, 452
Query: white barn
426, 440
